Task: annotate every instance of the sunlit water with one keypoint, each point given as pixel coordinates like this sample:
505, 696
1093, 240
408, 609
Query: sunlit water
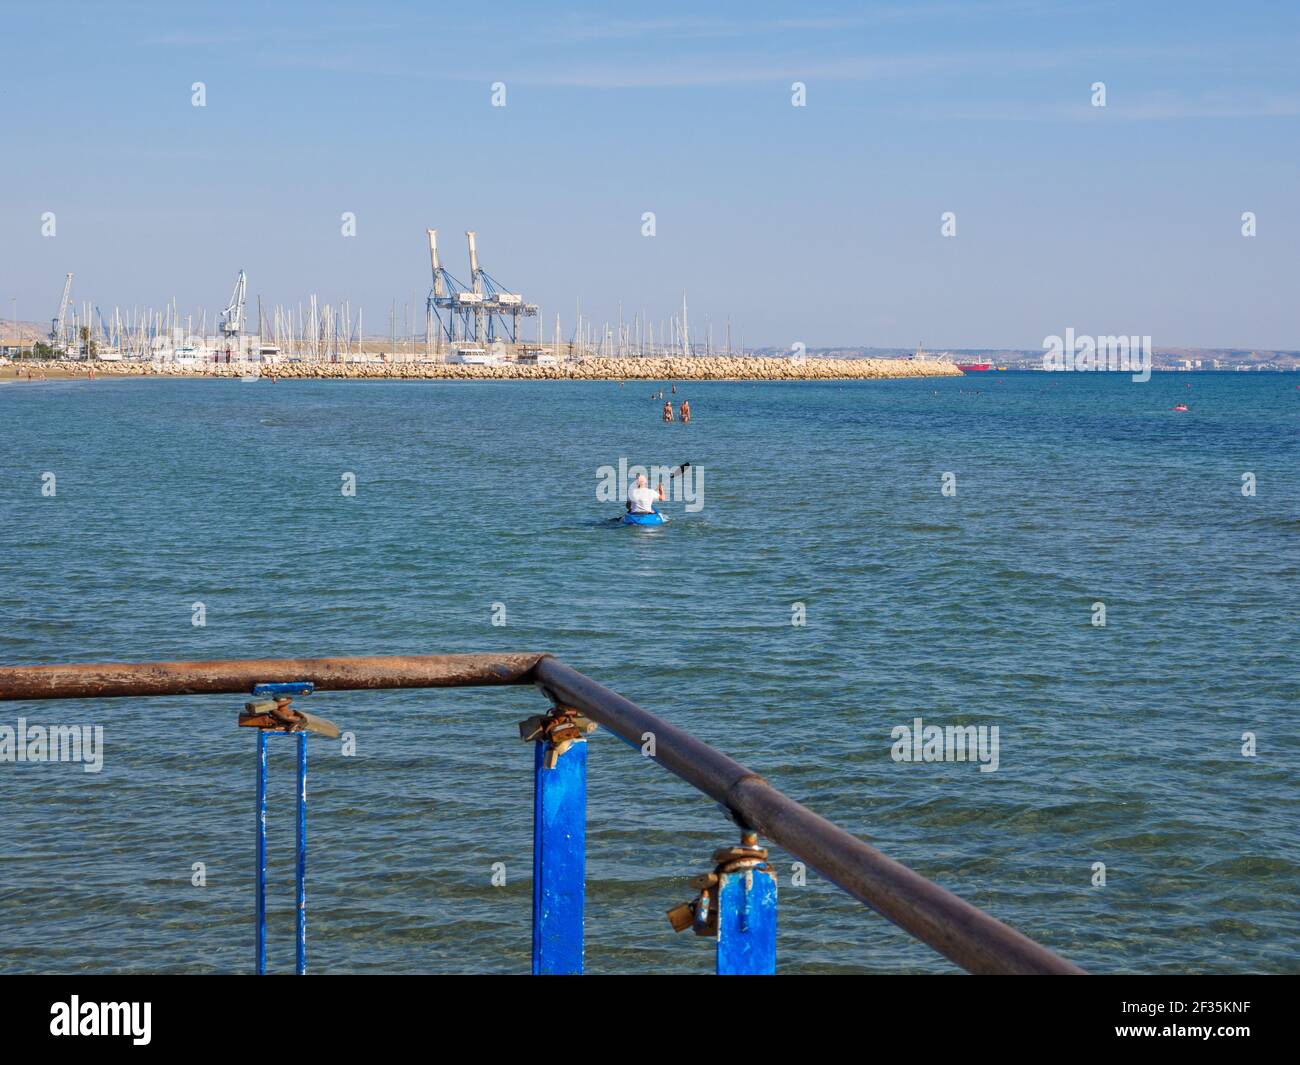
1120, 744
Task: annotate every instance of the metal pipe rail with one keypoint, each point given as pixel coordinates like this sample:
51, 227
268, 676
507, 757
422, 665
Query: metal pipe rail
121, 679
959, 931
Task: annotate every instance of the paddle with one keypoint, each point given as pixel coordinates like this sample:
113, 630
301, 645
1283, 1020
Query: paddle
676, 470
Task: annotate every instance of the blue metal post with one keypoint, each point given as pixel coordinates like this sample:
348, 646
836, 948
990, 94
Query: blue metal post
260, 934
258, 716
559, 860
300, 892
747, 923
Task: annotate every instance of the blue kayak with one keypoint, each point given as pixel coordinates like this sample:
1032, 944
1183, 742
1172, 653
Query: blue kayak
653, 518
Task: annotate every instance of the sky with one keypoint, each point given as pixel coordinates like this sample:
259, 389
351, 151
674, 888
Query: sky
818, 224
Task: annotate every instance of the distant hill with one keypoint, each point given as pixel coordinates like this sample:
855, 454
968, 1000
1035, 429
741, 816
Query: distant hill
25, 331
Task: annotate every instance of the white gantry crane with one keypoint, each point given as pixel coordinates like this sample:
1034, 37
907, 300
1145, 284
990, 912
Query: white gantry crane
232, 318
56, 323
474, 312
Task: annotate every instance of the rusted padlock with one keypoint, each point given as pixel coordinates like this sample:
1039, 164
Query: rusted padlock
683, 916
734, 859
532, 728
276, 715
701, 913
558, 730
706, 913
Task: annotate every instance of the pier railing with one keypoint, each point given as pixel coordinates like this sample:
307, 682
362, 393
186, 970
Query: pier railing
736, 904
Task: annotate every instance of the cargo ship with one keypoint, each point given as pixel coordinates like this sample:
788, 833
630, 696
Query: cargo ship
974, 367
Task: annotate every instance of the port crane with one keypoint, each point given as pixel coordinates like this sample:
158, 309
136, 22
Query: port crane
473, 312
232, 318
56, 323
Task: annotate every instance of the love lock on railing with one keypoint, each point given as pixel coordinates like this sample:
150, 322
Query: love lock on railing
271, 716
736, 906
743, 898
559, 740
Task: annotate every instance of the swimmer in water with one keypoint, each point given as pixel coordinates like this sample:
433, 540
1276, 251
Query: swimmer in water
685, 408
668, 410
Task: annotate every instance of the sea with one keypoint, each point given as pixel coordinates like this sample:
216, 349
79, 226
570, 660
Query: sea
1110, 583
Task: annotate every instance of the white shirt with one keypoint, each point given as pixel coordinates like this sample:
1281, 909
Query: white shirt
642, 499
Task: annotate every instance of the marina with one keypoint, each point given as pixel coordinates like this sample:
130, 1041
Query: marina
474, 324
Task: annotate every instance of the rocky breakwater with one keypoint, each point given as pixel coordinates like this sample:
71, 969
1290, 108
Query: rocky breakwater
699, 368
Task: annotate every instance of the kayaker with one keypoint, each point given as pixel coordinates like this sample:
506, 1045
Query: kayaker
642, 498
668, 410
685, 408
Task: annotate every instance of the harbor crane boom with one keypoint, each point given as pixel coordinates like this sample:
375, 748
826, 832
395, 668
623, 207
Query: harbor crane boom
56, 323
472, 313
232, 318
439, 285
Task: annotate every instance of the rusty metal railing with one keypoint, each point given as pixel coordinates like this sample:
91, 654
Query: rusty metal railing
959, 931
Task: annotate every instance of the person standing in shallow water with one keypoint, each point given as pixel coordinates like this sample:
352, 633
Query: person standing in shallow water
685, 409
668, 410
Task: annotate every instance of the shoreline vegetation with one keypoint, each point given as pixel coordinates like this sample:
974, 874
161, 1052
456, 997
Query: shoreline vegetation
612, 369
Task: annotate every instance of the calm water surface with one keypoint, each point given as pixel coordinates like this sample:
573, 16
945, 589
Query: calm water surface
1119, 744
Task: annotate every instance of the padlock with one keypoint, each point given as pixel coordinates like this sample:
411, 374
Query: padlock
269, 715
317, 725
706, 914
730, 854
533, 728
682, 917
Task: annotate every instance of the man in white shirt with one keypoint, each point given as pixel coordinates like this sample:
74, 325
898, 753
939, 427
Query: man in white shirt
642, 498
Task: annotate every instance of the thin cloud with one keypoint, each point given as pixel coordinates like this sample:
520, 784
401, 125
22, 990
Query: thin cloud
187, 39
687, 27
1162, 109
712, 70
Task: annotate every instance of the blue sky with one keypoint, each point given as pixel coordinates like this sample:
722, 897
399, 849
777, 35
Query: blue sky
818, 224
